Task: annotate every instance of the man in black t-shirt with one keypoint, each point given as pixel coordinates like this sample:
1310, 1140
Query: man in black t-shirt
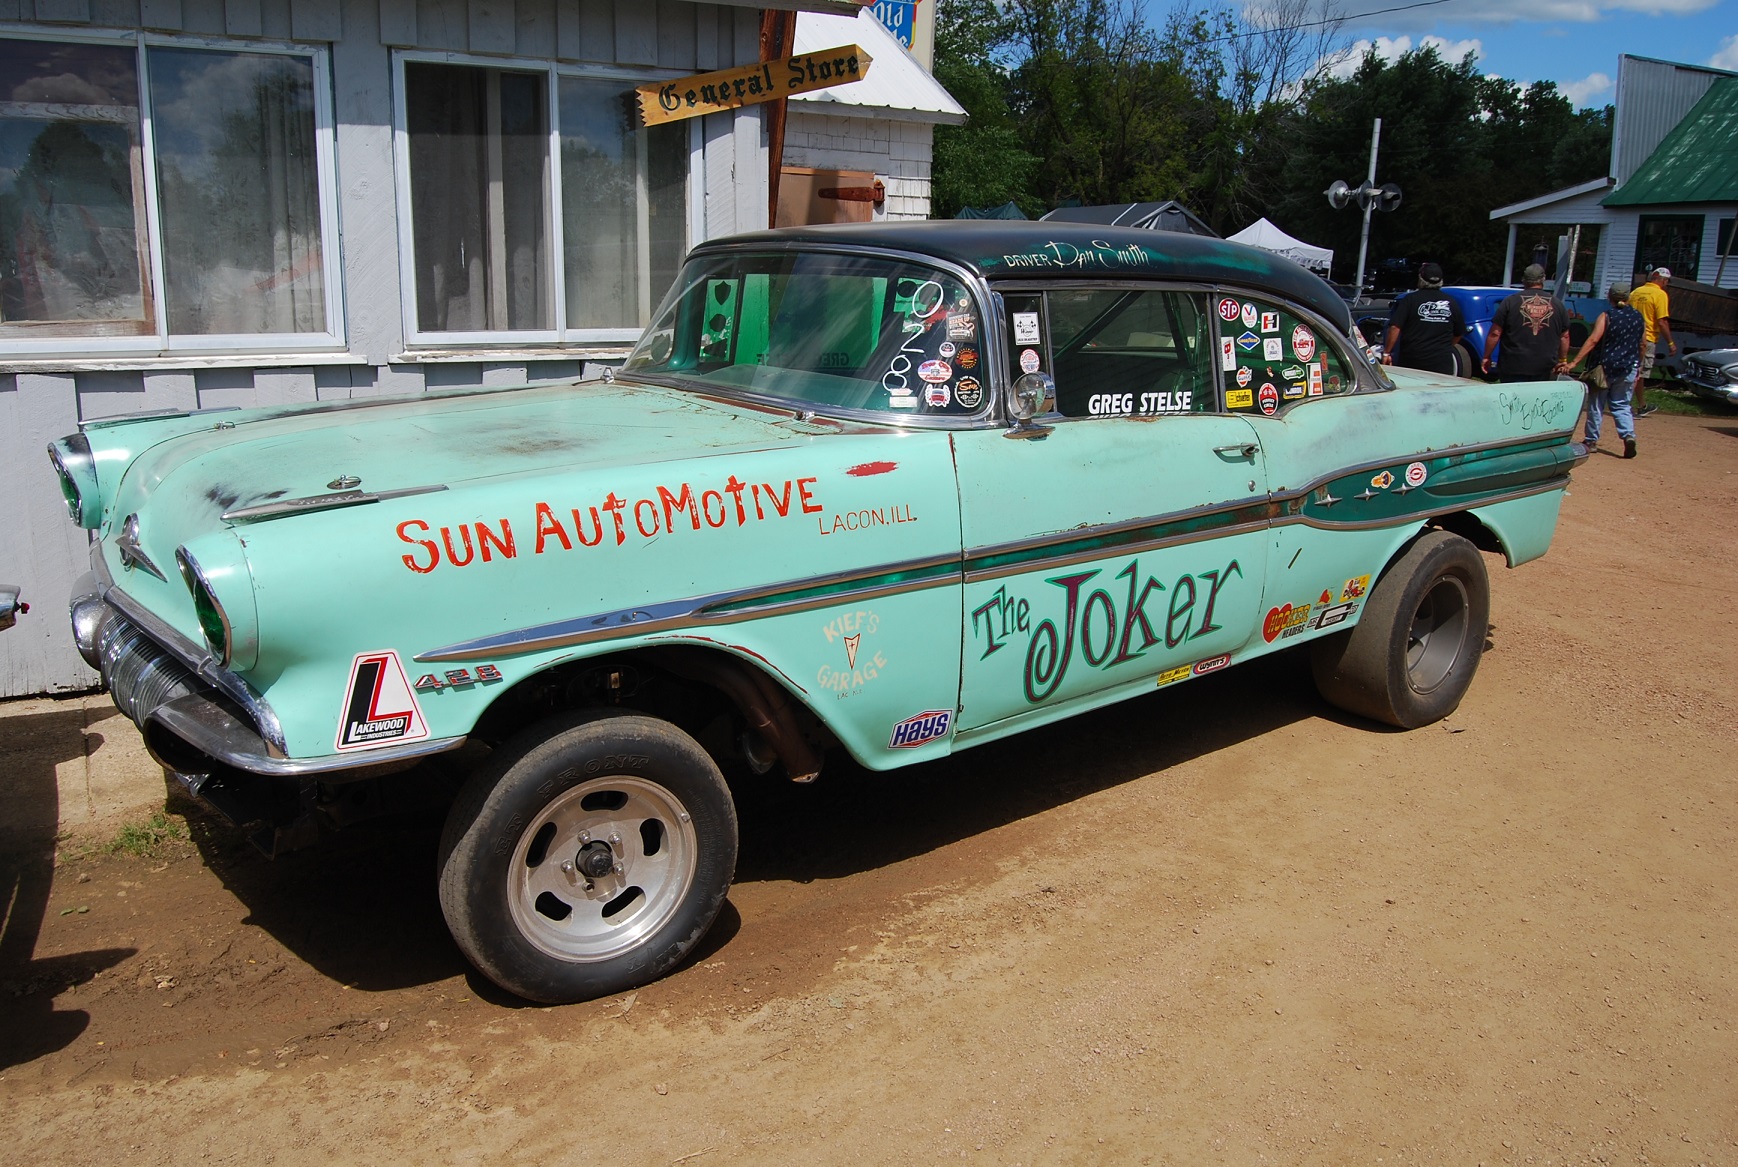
1533, 328
1424, 326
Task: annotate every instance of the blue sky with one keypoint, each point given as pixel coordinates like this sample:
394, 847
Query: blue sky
1572, 42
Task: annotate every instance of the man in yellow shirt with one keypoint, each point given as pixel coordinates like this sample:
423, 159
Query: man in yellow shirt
1650, 301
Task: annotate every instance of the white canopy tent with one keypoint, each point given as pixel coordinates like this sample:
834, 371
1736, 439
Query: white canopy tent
1266, 236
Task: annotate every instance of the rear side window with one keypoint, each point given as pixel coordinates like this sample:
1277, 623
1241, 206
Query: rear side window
1270, 357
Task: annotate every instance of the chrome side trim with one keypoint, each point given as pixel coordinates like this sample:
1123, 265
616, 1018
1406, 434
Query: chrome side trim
1425, 516
717, 608
209, 729
198, 658
321, 502
1137, 547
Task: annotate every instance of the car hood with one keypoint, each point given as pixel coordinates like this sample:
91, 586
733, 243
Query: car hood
246, 460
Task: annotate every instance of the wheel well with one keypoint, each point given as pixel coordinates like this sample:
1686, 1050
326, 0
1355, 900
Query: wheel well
738, 713
1467, 526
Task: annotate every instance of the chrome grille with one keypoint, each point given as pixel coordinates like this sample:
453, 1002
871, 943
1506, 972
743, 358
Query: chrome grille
141, 676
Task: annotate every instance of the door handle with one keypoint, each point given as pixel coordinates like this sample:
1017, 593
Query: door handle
1241, 450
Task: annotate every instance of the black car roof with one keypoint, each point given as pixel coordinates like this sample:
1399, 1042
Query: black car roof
1000, 249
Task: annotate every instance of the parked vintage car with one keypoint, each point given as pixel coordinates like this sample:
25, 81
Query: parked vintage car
893, 489
1712, 374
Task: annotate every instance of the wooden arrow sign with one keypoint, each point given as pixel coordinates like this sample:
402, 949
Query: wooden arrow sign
669, 101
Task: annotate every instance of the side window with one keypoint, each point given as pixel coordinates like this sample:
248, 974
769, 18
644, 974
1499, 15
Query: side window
1123, 353
1270, 356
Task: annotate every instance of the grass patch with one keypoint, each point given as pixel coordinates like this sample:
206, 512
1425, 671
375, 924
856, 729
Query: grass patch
142, 840
1672, 397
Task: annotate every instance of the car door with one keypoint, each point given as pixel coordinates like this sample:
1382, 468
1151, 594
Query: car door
1126, 545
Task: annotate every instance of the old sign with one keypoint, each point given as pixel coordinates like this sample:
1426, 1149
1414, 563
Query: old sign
668, 101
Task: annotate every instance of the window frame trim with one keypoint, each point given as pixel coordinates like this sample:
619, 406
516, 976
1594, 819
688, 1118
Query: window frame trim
159, 341
553, 71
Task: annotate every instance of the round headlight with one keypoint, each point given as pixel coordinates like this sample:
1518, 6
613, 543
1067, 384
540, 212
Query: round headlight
218, 579
77, 472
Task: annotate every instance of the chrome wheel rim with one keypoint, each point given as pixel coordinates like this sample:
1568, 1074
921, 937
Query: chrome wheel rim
653, 851
1438, 634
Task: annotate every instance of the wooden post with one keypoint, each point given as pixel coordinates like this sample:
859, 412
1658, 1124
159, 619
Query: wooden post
778, 34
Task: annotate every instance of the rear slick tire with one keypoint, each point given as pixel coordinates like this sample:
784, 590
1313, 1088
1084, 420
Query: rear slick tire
1412, 656
589, 856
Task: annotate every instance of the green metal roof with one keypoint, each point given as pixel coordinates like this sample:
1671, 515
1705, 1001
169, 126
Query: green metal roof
1697, 162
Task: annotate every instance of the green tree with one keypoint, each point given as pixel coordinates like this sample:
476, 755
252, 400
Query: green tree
983, 163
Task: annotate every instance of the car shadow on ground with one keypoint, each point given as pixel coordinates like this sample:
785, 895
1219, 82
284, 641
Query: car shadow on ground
1730, 431
361, 907
30, 1025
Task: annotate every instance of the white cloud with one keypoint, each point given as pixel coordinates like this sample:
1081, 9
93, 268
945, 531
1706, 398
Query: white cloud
1469, 12
1726, 57
1389, 48
1581, 93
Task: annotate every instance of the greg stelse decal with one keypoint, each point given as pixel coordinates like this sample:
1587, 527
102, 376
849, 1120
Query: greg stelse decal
379, 708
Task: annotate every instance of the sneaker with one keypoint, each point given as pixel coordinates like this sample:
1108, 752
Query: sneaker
1647, 411
1592, 448
1629, 447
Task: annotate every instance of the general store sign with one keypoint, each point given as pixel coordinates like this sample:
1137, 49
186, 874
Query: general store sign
687, 97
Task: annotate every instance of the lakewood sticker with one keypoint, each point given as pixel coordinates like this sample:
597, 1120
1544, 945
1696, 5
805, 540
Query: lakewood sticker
381, 709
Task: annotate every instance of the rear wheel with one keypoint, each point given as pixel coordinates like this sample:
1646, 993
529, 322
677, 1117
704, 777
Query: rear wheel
1412, 656
1465, 364
589, 856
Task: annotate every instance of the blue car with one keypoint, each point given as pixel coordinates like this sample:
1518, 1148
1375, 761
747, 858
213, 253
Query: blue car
1477, 306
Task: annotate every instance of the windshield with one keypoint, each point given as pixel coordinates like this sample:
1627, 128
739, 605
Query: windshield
825, 331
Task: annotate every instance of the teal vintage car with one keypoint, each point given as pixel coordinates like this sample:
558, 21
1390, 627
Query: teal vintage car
892, 489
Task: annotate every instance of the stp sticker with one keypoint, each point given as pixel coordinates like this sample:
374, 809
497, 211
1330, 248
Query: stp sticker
1228, 309
1269, 399
935, 372
1227, 354
969, 392
1249, 315
1029, 360
924, 727
380, 708
937, 396
1025, 328
1273, 349
1245, 375
1303, 343
1239, 398
1270, 322
1416, 473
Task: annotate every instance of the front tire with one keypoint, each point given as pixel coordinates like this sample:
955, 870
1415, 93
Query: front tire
1465, 364
1411, 658
588, 857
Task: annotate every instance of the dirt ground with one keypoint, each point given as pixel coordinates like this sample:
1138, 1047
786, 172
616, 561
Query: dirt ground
1221, 924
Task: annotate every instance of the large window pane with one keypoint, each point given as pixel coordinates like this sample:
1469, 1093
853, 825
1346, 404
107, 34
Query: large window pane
238, 192
479, 149
624, 195
72, 236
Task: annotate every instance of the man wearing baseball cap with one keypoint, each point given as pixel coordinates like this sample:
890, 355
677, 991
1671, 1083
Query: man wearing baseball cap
1424, 326
1650, 300
1533, 329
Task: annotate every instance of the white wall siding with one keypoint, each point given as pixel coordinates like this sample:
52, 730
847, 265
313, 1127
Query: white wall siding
900, 154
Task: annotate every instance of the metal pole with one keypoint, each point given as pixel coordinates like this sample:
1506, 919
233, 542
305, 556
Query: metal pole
1369, 203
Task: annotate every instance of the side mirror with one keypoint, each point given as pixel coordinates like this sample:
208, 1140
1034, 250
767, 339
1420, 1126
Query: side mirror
1033, 394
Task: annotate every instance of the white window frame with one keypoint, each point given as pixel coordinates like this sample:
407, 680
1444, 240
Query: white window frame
556, 229
160, 341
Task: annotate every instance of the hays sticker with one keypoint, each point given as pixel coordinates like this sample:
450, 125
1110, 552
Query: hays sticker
380, 708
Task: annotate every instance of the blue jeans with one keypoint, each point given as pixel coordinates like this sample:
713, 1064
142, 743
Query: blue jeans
1614, 399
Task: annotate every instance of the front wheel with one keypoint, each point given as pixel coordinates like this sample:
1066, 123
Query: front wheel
1465, 364
589, 856
1411, 658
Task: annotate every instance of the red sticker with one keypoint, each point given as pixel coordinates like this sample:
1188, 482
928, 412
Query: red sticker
1229, 309
1269, 399
1303, 343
